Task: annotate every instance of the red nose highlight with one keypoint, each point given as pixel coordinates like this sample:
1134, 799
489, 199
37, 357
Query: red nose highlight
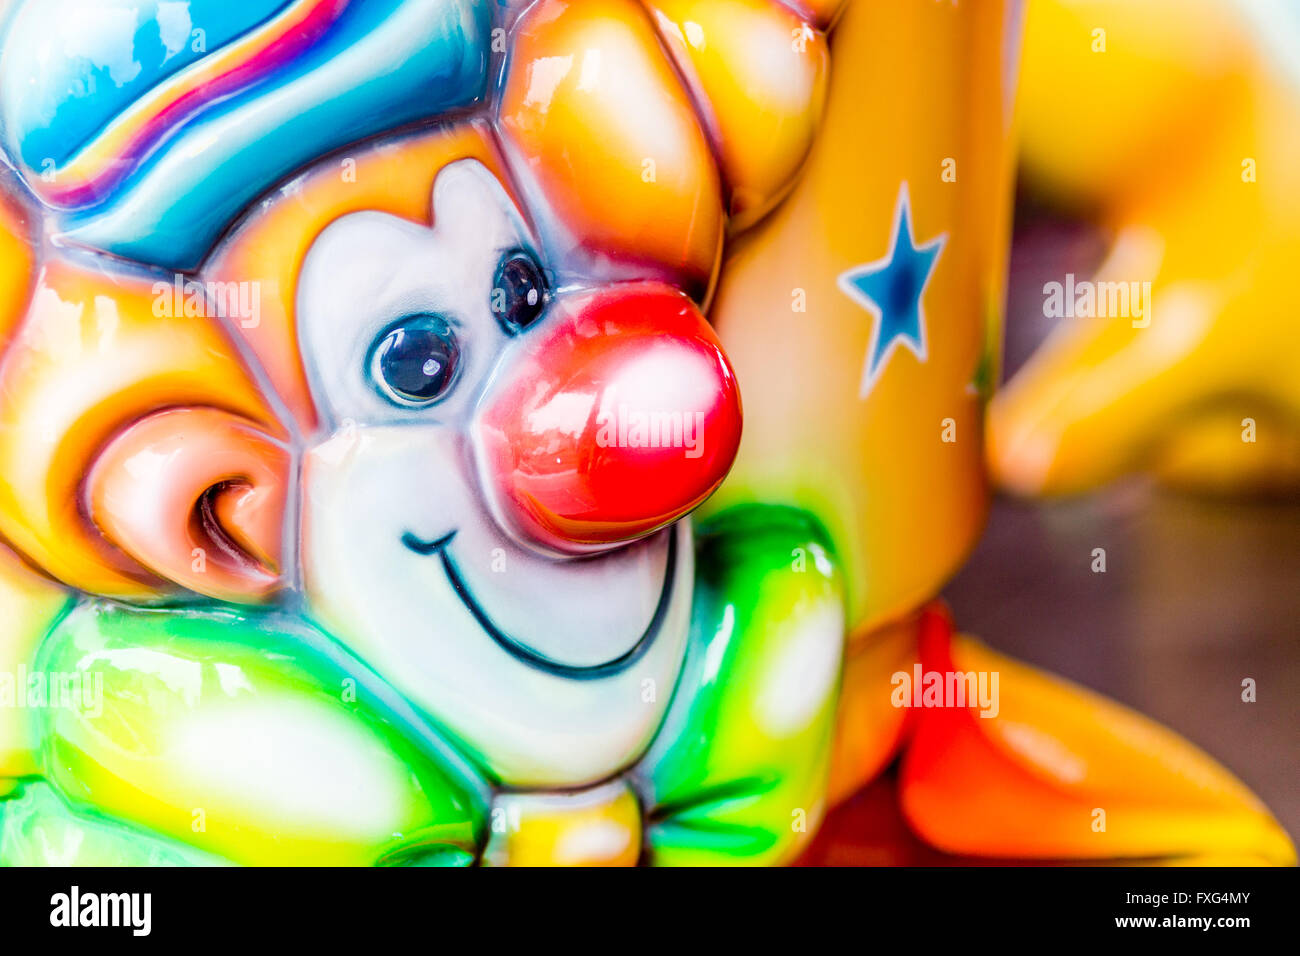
622, 417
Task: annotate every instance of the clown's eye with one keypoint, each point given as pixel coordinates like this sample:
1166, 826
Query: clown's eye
518, 292
415, 360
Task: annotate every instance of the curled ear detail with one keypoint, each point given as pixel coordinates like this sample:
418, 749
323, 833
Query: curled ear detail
196, 495
98, 354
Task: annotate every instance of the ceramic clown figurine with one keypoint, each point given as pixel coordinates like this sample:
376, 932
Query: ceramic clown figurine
372, 455
1175, 125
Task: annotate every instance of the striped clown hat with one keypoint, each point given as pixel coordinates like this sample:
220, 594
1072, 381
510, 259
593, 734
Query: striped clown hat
149, 125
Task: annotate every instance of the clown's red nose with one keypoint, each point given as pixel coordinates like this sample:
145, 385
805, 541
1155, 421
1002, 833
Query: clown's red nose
622, 416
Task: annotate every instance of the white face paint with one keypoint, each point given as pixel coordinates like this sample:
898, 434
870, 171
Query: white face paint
553, 672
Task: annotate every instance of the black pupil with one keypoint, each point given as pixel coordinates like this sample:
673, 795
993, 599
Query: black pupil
417, 359
519, 292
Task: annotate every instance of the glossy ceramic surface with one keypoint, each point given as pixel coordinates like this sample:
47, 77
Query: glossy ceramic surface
446, 432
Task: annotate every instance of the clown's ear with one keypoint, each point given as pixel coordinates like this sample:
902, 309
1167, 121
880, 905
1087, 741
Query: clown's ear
136, 452
196, 495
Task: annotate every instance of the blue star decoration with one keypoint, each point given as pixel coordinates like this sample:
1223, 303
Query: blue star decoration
891, 289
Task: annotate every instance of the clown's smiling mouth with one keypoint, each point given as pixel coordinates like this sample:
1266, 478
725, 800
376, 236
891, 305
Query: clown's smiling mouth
521, 651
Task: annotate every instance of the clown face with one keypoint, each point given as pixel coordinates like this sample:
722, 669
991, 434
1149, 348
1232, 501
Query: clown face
489, 522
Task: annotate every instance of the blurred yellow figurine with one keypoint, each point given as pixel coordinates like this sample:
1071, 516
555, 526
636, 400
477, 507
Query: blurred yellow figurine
1177, 122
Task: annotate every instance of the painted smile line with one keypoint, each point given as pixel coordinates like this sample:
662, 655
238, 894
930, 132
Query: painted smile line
521, 651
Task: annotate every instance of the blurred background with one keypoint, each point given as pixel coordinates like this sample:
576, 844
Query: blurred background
1200, 590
